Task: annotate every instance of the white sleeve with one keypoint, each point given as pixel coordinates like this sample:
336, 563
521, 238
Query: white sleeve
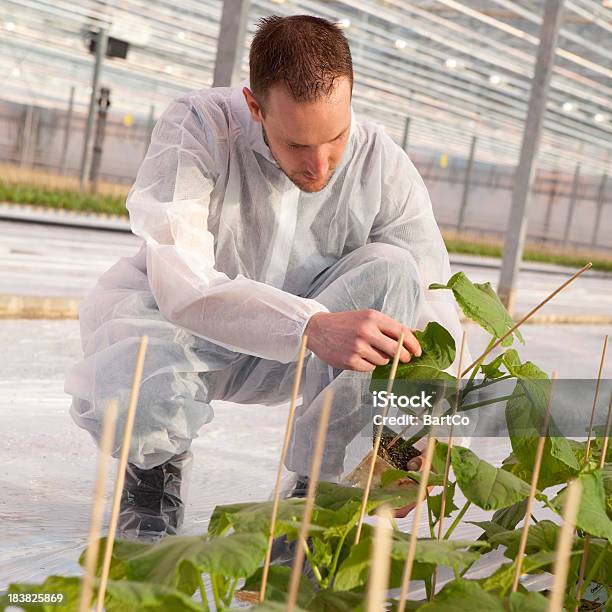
169, 208
406, 219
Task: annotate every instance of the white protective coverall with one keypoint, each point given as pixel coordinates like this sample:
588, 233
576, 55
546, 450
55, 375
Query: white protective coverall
235, 260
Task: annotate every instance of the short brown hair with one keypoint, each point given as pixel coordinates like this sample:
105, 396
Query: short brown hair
305, 53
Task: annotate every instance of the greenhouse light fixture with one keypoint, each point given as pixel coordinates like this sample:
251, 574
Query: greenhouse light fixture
400, 44
495, 79
568, 107
344, 24
9, 25
599, 117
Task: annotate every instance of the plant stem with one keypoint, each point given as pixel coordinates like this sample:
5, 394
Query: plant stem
489, 382
594, 569
215, 590
334, 564
315, 569
470, 382
458, 518
430, 519
230, 593
495, 400
203, 593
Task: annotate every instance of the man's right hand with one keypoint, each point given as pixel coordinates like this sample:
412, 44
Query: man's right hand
358, 339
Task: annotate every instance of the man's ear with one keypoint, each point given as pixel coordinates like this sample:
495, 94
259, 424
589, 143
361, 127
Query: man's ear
254, 107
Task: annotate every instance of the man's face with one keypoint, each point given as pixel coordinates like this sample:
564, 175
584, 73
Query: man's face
307, 139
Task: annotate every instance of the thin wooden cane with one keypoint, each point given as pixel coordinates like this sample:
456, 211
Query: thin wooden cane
95, 525
374, 452
564, 546
415, 524
535, 475
313, 477
587, 538
448, 461
599, 372
279, 472
123, 459
527, 316
380, 562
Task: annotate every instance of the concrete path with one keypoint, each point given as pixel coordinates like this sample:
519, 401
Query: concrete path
56, 261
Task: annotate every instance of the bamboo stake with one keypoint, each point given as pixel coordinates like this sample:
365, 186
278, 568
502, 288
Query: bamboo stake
415, 523
564, 546
587, 539
527, 316
448, 461
599, 372
315, 468
380, 563
123, 459
374, 452
91, 555
277, 486
532, 491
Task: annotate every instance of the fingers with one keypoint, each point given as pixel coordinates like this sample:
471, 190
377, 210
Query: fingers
414, 465
374, 356
390, 327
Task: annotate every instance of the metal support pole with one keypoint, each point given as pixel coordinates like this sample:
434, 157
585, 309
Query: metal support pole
68, 125
551, 199
230, 43
26, 136
572, 204
406, 134
101, 44
600, 203
103, 105
150, 125
466, 184
517, 226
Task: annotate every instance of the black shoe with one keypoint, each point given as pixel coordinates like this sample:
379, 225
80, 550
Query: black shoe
283, 551
151, 503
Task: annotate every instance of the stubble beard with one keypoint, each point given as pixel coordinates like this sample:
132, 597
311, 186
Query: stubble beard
299, 185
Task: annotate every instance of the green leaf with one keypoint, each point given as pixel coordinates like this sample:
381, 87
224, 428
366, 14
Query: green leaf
392, 476
463, 595
511, 516
434, 502
481, 304
178, 561
69, 586
484, 485
336, 601
527, 602
502, 578
255, 517
277, 585
541, 537
492, 370
437, 353
125, 595
354, 571
525, 413
592, 516
333, 496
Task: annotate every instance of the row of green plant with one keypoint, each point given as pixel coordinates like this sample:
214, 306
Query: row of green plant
171, 575
62, 198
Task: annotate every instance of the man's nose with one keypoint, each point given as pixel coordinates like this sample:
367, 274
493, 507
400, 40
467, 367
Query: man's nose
318, 164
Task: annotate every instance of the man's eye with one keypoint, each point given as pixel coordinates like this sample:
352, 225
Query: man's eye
295, 146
